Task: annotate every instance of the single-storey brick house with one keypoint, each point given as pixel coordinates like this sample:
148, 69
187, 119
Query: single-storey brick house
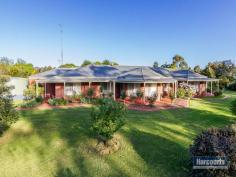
64, 82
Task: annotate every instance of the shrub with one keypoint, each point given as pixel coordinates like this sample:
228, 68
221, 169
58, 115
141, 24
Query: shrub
57, 101
110, 94
30, 92
123, 95
218, 93
232, 86
233, 106
84, 100
39, 99
133, 97
29, 103
8, 114
188, 93
172, 94
107, 118
139, 93
215, 142
152, 99
90, 92
74, 97
180, 93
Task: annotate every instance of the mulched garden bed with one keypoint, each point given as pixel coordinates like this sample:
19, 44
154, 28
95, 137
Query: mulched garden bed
159, 106
45, 106
137, 107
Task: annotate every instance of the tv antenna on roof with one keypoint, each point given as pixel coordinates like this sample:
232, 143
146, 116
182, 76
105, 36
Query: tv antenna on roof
61, 33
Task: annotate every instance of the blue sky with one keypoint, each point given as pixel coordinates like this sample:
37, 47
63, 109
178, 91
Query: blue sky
131, 32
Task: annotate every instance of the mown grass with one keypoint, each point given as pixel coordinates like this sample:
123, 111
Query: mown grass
58, 142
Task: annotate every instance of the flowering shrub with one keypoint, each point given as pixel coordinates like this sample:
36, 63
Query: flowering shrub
152, 99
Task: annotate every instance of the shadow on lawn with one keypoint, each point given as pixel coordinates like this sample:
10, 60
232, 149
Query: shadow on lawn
65, 172
69, 125
160, 154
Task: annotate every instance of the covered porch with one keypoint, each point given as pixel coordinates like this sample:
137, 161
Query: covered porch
203, 86
67, 89
161, 90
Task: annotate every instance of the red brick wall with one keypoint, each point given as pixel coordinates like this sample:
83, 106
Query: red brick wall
84, 87
59, 90
96, 87
202, 87
159, 91
50, 90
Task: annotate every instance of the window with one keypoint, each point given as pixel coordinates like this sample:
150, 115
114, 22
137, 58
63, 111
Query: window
150, 89
194, 86
72, 88
104, 86
132, 89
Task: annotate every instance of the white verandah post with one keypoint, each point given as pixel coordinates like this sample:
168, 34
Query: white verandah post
36, 88
45, 89
64, 90
144, 88
110, 86
176, 86
211, 87
114, 90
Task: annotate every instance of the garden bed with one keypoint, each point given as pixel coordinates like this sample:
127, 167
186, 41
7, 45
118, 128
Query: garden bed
159, 106
181, 102
45, 106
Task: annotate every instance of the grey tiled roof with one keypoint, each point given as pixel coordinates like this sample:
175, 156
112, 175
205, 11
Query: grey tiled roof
117, 73
186, 74
144, 74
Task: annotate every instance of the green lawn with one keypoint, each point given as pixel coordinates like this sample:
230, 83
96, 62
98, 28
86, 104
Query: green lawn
58, 142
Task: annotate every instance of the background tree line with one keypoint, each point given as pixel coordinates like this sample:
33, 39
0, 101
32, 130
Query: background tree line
21, 68
224, 70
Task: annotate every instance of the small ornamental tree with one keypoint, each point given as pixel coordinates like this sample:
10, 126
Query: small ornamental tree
107, 118
90, 93
215, 142
8, 114
152, 100
30, 92
180, 93
123, 95
139, 93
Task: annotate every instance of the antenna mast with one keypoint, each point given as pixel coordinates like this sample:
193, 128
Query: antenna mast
61, 32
